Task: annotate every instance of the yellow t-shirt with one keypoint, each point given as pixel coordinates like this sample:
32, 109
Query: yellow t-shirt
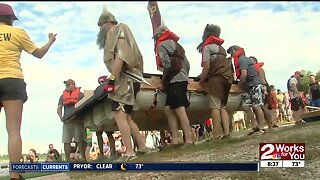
12, 41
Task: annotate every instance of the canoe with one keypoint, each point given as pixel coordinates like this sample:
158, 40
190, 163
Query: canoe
95, 108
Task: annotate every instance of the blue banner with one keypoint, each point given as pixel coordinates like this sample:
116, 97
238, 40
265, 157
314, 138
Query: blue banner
190, 166
62, 167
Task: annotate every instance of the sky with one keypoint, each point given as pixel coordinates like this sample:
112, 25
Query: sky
283, 35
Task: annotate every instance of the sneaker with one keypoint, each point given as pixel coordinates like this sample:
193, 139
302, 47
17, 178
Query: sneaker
275, 126
126, 158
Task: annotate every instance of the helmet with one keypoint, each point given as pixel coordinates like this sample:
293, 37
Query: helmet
159, 31
6, 10
211, 29
106, 16
234, 47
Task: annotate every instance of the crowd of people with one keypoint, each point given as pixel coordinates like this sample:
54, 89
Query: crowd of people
261, 103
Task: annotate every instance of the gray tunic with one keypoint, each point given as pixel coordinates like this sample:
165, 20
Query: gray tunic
168, 47
253, 78
208, 52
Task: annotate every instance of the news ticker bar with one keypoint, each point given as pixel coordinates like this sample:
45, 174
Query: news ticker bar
282, 163
63, 167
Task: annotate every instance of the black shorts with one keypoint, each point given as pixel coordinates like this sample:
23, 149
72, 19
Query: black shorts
13, 89
296, 104
126, 108
177, 95
115, 106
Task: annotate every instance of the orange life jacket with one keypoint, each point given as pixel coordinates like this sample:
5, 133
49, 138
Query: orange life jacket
71, 97
211, 39
167, 34
236, 56
258, 66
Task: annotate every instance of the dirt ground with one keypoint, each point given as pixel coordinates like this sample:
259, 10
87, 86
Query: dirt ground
239, 148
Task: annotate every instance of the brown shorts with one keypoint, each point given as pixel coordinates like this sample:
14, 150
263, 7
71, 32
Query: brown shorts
219, 87
13, 89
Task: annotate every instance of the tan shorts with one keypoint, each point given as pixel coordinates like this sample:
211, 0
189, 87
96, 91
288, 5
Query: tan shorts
70, 130
215, 103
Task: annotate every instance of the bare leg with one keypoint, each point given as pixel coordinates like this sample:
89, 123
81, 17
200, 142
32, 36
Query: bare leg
267, 115
137, 135
259, 116
250, 116
13, 110
87, 153
216, 117
225, 121
111, 142
185, 124
122, 122
243, 124
173, 124
162, 137
197, 135
82, 147
67, 149
235, 126
296, 115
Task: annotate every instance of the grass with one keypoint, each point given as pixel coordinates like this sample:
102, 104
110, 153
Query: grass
305, 133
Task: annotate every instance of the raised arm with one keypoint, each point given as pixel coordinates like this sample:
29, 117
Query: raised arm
39, 53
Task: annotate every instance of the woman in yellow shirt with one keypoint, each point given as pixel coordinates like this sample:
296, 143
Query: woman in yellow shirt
12, 86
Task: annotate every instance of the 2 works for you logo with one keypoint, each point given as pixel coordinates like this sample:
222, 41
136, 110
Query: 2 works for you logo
282, 151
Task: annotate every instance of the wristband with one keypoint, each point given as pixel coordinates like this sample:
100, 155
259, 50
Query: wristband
112, 77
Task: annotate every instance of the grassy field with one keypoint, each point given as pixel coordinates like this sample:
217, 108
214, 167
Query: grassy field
239, 148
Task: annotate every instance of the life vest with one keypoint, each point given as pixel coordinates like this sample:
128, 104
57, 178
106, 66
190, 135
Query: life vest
211, 39
236, 56
71, 97
167, 34
258, 66
208, 122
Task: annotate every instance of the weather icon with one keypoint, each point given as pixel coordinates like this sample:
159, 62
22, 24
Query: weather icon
123, 167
